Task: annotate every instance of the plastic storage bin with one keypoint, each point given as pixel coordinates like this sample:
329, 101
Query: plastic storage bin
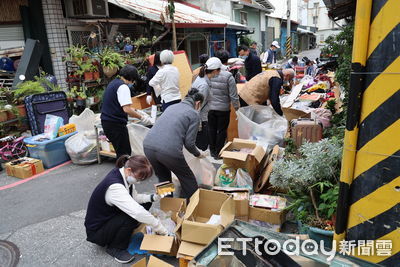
51, 152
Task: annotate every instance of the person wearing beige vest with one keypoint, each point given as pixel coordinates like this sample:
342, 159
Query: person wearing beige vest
264, 86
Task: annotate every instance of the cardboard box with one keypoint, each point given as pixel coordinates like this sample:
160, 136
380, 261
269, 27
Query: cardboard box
236, 159
189, 250
241, 203
266, 215
24, 167
203, 204
166, 245
153, 262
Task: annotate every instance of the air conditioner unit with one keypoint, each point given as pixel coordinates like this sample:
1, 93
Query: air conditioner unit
86, 8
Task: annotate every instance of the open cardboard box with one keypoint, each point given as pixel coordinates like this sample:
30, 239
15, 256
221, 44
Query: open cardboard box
266, 215
241, 205
203, 204
247, 161
153, 262
167, 245
189, 250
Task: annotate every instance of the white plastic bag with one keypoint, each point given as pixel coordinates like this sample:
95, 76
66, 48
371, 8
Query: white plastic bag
85, 121
81, 149
202, 168
51, 125
262, 124
137, 133
243, 179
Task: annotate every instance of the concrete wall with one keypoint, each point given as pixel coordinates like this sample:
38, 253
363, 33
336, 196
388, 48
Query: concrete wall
253, 22
218, 7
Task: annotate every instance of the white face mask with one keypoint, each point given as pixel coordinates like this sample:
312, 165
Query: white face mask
132, 180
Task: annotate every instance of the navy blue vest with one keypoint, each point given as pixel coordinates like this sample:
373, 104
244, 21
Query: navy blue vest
111, 109
271, 56
98, 211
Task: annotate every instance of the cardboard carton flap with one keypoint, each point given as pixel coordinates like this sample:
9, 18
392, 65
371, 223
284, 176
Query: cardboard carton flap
157, 243
244, 141
258, 153
156, 262
190, 249
199, 233
235, 155
140, 263
194, 201
228, 212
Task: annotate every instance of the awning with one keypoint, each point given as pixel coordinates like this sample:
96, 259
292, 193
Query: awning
185, 15
303, 31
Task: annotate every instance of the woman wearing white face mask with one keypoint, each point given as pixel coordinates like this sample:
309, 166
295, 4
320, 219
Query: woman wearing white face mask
115, 209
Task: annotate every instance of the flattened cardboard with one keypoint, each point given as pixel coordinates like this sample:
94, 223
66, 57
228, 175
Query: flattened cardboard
140, 263
203, 204
189, 249
291, 114
263, 180
248, 161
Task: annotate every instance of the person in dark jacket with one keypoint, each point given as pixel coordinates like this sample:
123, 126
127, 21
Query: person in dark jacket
223, 92
253, 48
151, 95
115, 208
252, 63
176, 128
116, 108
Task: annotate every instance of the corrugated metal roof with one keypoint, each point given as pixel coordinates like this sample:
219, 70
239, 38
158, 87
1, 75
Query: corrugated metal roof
185, 16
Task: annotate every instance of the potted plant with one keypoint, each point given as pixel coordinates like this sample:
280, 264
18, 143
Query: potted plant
81, 99
25, 89
311, 178
111, 61
70, 95
76, 53
7, 112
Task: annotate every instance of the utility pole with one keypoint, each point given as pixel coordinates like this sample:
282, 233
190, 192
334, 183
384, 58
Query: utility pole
288, 44
171, 11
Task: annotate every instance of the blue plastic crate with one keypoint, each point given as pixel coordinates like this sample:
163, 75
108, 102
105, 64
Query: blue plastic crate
51, 152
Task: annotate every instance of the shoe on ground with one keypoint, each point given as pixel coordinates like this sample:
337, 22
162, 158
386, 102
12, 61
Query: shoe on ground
120, 255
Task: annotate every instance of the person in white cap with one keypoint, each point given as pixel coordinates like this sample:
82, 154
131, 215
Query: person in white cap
166, 81
202, 83
270, 54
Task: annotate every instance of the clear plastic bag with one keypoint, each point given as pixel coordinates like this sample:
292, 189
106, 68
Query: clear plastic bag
137, 133
81, 149
226, 176
84, 122
262, 124
243, 179
165, 219
51, 125
202, 168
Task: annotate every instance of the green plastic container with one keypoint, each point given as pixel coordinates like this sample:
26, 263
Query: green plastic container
319, 234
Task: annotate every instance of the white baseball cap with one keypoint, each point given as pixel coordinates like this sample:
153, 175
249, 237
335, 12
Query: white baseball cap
276, 44
213, 63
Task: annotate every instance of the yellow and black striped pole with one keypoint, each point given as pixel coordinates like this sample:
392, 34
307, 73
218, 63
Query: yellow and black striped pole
369, 199
288, 46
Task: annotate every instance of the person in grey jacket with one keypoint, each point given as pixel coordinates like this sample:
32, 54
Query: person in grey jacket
223, 92
211, 68
176, 128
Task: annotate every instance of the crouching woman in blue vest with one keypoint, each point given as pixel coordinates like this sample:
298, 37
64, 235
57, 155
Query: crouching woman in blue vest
115, 209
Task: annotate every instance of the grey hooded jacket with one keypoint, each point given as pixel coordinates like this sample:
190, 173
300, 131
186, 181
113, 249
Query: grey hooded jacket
223, 92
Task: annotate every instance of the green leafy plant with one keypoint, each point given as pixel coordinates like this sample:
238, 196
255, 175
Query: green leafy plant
245, 40
75, 53
27, 88
329, 201
111, 59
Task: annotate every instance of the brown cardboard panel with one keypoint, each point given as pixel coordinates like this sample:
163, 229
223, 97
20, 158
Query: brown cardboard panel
199, 233
185, 79
140, 263
263, 180
159, 243
156, 262
175, 205
227, 212
291, 114
189, 249
241, 208
269, 216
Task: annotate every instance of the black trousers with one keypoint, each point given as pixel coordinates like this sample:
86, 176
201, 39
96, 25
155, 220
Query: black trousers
163, 164
218, 122
116, 232
202, 136
118, 135
164, 105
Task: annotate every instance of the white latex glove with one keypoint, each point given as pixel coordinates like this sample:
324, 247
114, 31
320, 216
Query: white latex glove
160, 229
149, 98
156, 197
203, 154
146, 119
